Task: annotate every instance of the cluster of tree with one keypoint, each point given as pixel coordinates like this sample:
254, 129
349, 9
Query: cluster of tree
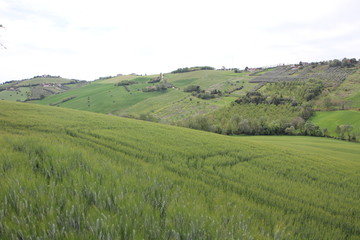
258, 98
125, 83
295, 92
46, 76
155, 80
234, 90
159, 87
279, 120
208, 94
62, 101
197, 92
127, 88
246, 69
8, 82
104, 78
336, 104
312, 89
343, 63
191, 69
345, 132
192, 88
239, 125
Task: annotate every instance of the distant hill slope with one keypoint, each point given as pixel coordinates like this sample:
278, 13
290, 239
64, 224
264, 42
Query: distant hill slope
37, 87
68, 174
276, 100
324, 85
284, 100
167, 105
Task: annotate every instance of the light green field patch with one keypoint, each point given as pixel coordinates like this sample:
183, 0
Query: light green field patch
314, 145
332, 119
20, 94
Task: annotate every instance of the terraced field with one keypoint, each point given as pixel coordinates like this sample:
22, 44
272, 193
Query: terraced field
69, 174
331, 75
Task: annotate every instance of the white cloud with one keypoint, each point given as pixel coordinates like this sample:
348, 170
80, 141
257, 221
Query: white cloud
87, 39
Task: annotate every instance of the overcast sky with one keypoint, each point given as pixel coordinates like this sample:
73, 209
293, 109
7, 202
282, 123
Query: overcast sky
87, 39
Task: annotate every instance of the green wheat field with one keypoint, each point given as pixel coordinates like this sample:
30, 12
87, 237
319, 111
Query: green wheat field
70, 174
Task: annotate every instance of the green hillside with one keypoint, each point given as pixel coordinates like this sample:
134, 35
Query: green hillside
259, 101
69, 174
169, 105
346, 95
295, 90
332, 119
284, 100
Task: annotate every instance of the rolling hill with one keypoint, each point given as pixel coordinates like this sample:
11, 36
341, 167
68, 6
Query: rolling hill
106, 96
37, 87
167, 105
69, 174
270, 101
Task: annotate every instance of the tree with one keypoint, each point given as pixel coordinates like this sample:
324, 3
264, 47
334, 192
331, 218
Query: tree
192, 88
327, 103
335, 63
326, 132
244, 126
348, 129
312, 130
290, 130
307, 111
1, 26
339, 132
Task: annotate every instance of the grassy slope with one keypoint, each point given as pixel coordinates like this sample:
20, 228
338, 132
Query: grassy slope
332, 119
20, 95
106, 98
71, 174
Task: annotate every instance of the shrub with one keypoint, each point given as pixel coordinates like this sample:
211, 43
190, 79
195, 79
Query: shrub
191, 69
192, 88
125, 83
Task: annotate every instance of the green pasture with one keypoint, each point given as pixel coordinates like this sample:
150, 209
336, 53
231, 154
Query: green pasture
208, 79
331, 119
101, 97
20, 94
69, 174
